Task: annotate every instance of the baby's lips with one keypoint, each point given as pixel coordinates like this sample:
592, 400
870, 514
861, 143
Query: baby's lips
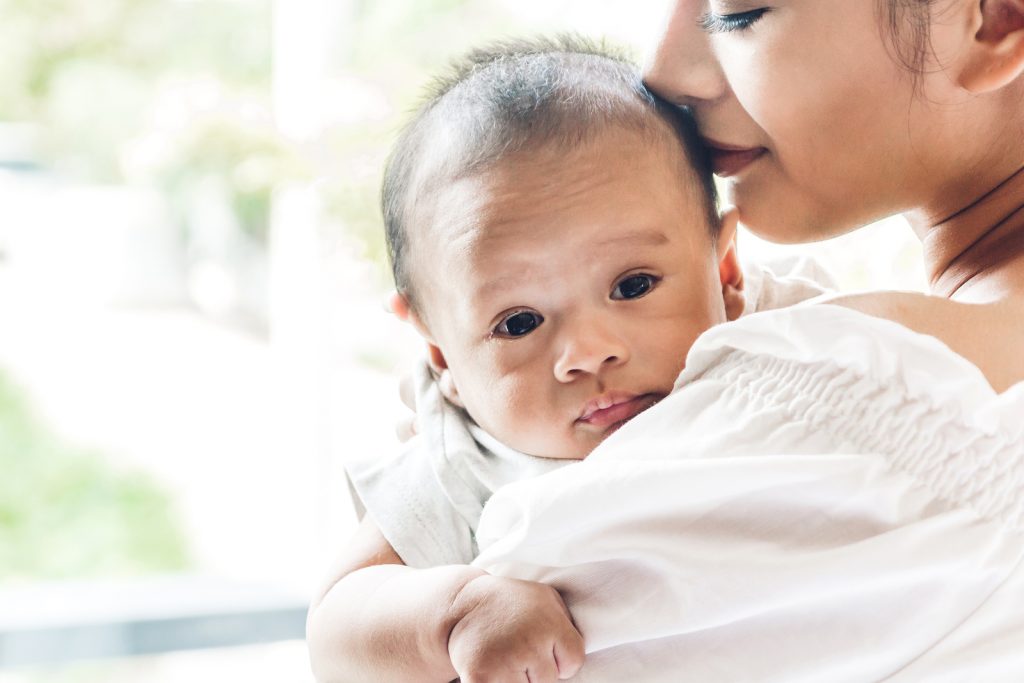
619, 412
603, 402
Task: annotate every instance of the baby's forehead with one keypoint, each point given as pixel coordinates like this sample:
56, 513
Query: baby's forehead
640, 166
472, 222
618, 195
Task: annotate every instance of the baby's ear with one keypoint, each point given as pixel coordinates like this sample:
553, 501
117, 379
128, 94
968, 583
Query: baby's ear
729, 271
400, 306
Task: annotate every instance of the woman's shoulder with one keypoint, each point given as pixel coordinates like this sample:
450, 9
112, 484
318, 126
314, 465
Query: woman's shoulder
988, 336
899, 344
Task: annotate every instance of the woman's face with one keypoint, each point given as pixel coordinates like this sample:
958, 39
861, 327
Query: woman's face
815, 120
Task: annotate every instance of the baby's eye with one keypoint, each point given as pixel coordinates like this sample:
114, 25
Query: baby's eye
634, 286
518, 324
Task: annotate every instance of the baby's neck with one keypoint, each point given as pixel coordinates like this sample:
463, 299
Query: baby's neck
976, 253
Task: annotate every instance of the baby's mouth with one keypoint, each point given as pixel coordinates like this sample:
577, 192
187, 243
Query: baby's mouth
614, 409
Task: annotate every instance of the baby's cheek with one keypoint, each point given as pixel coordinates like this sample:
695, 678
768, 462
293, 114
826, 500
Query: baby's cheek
497, 403
676, 334
522, 408
528, 420
514, 396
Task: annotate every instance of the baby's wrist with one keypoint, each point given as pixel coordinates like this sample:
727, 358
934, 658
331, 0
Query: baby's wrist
445, 584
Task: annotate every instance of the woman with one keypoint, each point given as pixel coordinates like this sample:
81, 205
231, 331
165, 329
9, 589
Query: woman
827, 116
827, 496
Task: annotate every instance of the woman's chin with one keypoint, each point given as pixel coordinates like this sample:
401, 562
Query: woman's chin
778, 223
781, 216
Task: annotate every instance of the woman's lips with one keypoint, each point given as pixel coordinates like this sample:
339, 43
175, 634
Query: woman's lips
729, 160
621, 409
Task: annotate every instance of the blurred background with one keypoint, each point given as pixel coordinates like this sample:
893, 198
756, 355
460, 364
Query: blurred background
192, 329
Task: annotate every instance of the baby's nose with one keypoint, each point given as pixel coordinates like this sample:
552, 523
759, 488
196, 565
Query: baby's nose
590, 350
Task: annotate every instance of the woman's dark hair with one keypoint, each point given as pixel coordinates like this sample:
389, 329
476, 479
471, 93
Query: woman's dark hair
907, 24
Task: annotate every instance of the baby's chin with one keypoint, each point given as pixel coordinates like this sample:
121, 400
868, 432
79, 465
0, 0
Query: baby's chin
576, 446
576, 452
569, 447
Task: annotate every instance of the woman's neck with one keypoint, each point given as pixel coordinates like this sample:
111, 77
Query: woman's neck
976, 253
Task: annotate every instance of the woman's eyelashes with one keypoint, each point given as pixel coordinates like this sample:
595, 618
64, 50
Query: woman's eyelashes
518, 324
726, 23
634, 286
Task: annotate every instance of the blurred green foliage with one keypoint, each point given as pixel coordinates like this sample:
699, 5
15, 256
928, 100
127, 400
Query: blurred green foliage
248, 158
87, 71
422, 37
65, 512
99, 76
91, 73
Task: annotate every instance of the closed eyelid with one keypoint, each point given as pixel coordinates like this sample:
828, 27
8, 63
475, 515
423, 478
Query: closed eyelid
727, 22
722, 7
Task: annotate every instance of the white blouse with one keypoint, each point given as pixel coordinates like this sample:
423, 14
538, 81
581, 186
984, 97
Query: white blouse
826, 497
427, 498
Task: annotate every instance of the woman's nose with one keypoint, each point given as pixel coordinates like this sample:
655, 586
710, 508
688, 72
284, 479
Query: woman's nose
683, 69
589, 349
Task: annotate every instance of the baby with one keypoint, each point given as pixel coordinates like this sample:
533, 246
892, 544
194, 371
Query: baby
555, 239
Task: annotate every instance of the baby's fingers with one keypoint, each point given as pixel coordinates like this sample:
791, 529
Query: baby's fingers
407, 392
545, 670
406, 428
569, 654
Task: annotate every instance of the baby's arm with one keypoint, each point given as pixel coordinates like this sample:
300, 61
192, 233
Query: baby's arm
379, 620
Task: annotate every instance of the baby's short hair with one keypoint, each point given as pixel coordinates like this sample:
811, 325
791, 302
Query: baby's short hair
516, 96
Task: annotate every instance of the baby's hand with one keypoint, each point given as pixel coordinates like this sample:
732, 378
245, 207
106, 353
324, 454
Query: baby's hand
510, 630
406, 427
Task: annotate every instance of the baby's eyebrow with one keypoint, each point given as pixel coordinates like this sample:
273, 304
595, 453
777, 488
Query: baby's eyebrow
638, 238
643, 238
497, 285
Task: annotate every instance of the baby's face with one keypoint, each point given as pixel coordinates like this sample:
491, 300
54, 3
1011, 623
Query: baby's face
563, 290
